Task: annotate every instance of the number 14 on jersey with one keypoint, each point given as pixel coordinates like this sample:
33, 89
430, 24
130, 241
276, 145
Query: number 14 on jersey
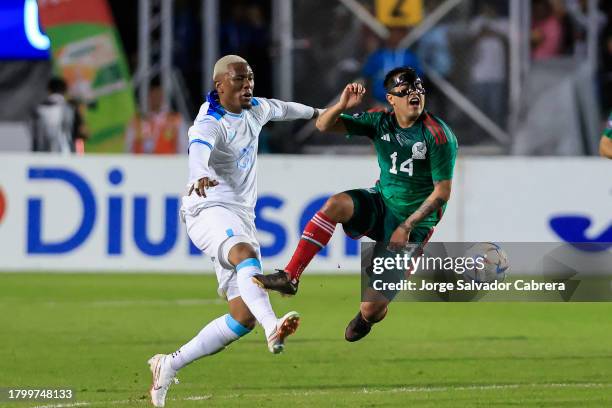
405, 167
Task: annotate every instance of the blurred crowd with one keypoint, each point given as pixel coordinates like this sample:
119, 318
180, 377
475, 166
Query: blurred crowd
244, 29
57, 122
469, 48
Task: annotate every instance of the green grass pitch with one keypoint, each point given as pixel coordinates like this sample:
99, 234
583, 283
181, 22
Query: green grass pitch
94, 333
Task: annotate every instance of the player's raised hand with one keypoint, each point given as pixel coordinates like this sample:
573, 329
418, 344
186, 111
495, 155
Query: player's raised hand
201, 185
352, 95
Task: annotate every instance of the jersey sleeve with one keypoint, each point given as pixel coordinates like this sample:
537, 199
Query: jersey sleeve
607, 132
361, 124
205, 131
203, 136
442, 146
268, 110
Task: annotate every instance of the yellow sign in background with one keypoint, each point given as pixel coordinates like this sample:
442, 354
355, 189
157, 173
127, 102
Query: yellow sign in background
399, 13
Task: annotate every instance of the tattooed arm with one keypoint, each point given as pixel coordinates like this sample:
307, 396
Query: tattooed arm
435, 201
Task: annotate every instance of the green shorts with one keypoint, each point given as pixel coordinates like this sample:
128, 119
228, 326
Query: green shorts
371, 218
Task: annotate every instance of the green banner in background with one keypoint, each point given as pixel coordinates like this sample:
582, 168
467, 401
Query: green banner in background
87, 53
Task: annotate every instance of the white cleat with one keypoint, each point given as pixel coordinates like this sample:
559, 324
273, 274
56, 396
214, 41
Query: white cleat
286, 326
163, 376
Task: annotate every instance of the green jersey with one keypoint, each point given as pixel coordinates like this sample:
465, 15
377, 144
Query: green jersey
608, 130
410, 160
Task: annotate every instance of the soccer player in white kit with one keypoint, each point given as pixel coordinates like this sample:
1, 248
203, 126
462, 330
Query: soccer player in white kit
219, 215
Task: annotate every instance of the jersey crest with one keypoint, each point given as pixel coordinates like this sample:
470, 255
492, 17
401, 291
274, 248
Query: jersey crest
246, 158
419, 150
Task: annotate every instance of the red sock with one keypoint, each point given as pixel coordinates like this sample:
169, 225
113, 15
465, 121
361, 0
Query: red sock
316, 235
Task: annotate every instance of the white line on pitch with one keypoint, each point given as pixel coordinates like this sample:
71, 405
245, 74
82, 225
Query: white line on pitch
362, 391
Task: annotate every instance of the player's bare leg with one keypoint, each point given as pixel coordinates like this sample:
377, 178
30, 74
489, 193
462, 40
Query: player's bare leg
241, 313
319, 230
372, 311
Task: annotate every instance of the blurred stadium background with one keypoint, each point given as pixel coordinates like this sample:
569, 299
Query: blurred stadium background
305, 50
525, 85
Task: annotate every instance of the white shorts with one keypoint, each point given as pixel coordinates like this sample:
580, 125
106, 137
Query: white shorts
215, 230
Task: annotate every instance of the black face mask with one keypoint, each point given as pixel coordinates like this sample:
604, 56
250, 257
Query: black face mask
414, 85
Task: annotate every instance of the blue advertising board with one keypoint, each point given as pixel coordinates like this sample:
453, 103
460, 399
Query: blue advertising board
22, 36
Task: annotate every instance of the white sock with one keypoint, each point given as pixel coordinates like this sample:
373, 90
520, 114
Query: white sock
210, 340
254, 297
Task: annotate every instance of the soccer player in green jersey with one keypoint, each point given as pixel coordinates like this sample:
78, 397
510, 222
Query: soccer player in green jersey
605, 145
416, 154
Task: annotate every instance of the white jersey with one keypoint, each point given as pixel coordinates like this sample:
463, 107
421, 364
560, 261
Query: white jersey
232, 140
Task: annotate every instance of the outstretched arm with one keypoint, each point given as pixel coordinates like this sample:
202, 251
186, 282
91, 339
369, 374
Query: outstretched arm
285, 111
352, 95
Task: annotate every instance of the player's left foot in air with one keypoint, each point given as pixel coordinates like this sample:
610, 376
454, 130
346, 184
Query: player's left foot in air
357, 328
286, 326
163, 376
278, 281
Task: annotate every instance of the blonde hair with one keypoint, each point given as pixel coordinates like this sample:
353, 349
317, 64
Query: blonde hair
221, 67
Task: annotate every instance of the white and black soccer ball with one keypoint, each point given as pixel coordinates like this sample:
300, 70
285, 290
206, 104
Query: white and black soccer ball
493, 265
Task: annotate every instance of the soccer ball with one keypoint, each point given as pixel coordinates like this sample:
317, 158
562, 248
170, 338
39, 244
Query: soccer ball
495, 262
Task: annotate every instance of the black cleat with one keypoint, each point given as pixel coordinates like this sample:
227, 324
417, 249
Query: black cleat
357, 328
278, 281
